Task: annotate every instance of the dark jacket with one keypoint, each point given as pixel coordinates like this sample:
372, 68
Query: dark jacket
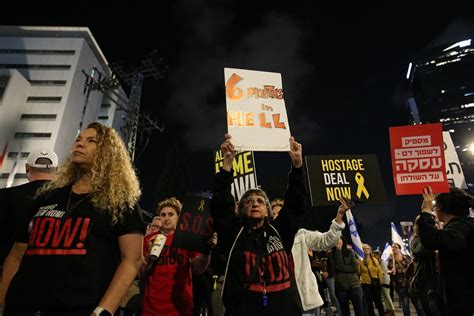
269, 247
425, 269
346, 269
455, 243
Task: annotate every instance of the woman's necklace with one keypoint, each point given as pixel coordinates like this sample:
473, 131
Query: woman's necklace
70, 208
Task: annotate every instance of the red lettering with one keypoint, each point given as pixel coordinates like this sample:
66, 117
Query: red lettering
34, 232
276, 121
85, 229
263, 121
197, 221
249, 263
270, 270
276, 255
260, 272
284, 258
185, 223
49, 232
209, 229
65, 233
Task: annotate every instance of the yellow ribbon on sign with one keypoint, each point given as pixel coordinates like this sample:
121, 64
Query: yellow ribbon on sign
360, 186
201, 206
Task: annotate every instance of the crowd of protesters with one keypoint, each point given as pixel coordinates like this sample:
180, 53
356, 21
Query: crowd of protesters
74, 242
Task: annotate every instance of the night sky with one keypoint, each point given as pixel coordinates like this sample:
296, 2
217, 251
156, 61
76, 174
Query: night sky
343, 70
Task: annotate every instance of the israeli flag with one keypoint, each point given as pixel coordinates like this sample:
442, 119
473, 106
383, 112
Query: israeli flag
387, 251
397, 238
356, 243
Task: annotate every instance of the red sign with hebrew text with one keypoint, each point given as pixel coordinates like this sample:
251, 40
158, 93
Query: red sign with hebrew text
418, 158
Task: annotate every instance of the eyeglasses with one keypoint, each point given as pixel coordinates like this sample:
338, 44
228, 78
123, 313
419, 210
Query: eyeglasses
251, 200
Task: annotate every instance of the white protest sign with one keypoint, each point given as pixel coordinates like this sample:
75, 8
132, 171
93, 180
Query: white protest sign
256, 112
453, 166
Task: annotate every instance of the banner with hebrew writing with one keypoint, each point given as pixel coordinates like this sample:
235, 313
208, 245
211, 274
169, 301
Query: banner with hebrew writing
453, 166
256, 112
356, 177
245, 174
418, 158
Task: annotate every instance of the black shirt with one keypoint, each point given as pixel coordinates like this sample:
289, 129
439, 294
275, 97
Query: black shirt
16, 204
71, 255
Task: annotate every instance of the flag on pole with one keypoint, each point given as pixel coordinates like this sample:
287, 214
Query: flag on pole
387, 251
356, 242
4, 153
11, 176
397, 238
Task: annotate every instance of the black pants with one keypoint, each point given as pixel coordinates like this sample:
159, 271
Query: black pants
373, 295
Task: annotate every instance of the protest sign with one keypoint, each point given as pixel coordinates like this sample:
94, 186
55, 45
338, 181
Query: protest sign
195, 225
245, 174
453, 166
356, 177
256, 112
418, 158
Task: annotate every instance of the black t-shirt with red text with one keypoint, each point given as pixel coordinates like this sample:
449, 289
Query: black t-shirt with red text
71, 255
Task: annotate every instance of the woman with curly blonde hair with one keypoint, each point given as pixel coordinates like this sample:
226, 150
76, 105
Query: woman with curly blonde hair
82, 248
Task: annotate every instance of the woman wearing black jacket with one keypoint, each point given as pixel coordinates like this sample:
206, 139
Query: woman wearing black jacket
259, 274
455, 243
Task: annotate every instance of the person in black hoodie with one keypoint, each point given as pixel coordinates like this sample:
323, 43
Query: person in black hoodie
259, 273
455, 243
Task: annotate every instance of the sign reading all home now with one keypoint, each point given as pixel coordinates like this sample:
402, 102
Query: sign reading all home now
245, 175
356, 177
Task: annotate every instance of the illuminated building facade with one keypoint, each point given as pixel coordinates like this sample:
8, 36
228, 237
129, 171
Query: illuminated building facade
441, 82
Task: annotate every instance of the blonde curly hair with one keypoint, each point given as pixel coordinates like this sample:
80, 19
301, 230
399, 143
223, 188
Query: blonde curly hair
114, 183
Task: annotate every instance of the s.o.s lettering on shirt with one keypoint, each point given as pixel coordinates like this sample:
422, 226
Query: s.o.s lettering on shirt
50, 234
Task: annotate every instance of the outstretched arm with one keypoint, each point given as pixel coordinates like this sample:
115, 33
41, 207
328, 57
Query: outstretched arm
287, 222
450, 238
295, 194
222, 205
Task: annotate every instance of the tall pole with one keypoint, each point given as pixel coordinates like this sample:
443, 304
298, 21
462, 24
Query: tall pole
133, 121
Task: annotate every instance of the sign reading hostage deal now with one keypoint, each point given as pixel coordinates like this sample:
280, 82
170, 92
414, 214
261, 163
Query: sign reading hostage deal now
356, 177
195, 225
418, 158
245, 176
